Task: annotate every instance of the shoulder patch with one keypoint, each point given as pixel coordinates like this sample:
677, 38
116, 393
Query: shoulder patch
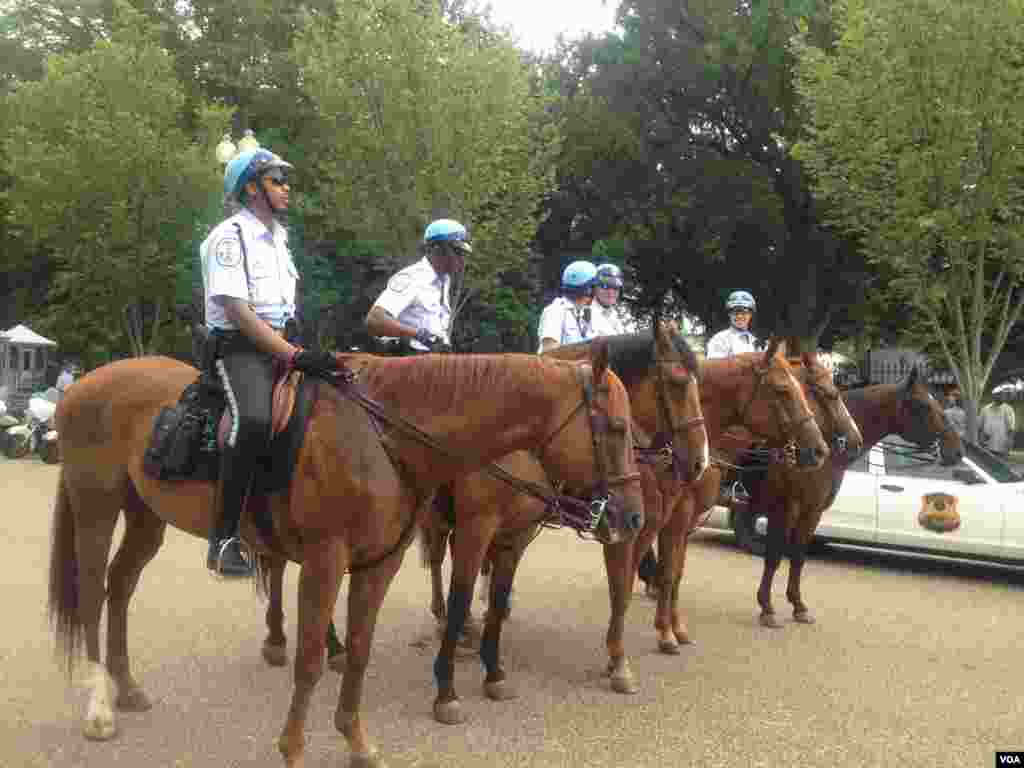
228, 252
400, 283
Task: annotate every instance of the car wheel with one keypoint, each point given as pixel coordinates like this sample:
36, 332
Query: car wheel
49, 451
748, 537
17, 446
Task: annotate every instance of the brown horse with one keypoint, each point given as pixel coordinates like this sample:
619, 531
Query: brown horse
773, 406
794, 502
759, 390
358, 488
659, 375
665, 402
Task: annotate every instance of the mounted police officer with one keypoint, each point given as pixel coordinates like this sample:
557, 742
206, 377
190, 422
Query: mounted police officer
249, 282
609, 317
567, 319
413, 314
737, 338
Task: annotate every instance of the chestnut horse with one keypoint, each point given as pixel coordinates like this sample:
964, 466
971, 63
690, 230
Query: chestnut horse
659, 375
349, 508
794, 502
656, 370
757, 389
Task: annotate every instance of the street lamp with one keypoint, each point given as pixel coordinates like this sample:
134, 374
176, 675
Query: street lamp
226, 150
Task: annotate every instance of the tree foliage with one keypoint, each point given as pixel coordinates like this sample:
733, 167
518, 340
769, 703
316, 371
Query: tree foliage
426, 118
914, 140
700, 97
106, 181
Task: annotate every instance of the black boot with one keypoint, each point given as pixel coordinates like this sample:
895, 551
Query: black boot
224, 558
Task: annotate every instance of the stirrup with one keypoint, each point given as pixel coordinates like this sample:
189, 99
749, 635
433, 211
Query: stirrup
218, 571
738, 493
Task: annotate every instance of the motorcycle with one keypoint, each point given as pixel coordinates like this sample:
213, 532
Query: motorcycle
35, 434
6, 422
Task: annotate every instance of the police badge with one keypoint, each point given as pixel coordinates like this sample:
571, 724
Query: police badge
228, 252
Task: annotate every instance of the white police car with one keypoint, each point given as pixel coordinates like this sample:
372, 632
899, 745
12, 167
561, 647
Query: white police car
895, 497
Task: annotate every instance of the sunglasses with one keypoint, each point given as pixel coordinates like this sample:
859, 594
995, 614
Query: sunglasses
277, 179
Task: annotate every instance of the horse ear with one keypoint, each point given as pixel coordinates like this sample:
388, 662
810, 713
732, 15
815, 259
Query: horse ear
912, 379
599, 357
773, 346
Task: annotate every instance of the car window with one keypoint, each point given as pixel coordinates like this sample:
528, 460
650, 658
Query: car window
999, 469
904, 459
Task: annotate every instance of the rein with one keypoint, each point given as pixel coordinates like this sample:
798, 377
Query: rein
761, 457
663, 445
584, 517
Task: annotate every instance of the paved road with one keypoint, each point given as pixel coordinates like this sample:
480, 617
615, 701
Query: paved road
912, 663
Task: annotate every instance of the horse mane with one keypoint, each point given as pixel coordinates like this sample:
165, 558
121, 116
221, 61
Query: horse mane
440, 383
630, 354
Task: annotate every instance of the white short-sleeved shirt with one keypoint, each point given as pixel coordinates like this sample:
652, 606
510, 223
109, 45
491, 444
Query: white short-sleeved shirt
610, 321
270, 289
729, 342
418, 296
565, 322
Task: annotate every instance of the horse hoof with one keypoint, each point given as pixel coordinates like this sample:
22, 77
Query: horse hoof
769, 620
669, 646
372, 760
133, 700
500, 691
624, 683
449, 712
803, 617
337, 662
99, 729
275, 655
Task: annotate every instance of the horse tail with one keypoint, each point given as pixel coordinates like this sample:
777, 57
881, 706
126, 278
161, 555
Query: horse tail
63, 605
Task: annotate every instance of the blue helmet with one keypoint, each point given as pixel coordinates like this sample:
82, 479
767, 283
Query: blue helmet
609, 276
246, 166
448, 231
740, 300
578, 276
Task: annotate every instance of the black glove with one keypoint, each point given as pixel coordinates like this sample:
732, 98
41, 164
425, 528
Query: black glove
315, 362
431, 341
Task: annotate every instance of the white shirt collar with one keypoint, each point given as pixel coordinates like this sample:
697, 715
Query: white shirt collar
257, 229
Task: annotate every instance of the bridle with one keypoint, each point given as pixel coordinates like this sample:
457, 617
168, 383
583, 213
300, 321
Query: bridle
921, 424
663, 444
791, 453
839, 443
584, 517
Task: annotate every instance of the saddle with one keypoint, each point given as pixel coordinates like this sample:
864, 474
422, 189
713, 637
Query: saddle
187, 439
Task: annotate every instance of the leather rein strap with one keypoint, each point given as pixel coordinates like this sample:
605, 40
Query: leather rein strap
663, 443
579, 514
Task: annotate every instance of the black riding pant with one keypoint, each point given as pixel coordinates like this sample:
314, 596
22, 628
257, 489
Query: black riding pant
247, 375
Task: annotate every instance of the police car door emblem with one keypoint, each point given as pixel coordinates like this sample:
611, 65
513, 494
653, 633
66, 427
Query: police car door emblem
400, 283
228, 252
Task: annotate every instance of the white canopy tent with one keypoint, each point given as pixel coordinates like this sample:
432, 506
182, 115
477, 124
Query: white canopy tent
24, 356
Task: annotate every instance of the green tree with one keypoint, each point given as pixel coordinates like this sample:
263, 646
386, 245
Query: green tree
425, 118
914, 141
105, 179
